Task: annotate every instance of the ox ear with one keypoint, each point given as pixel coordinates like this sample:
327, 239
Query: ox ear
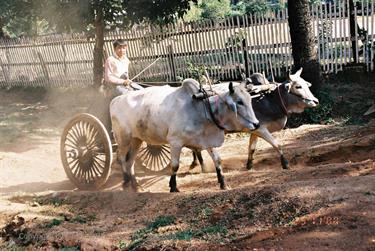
288, 86
231, 89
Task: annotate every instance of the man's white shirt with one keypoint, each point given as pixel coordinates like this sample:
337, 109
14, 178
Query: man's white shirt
116, 67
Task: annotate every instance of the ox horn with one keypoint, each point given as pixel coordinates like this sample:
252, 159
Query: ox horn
296, 75
231, 89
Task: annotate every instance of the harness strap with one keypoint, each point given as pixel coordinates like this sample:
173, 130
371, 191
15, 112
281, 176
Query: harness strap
282, 101
206, 101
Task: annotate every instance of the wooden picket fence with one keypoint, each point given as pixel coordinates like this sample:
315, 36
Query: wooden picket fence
225, 48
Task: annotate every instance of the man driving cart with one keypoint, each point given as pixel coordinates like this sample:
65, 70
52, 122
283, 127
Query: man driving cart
116, 69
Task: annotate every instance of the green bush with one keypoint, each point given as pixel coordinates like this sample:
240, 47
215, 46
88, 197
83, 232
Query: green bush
318, 115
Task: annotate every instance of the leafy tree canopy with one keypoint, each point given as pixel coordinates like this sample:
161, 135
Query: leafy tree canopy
216, 9
19, 17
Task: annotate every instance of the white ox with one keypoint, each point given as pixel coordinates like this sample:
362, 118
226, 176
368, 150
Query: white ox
168, 115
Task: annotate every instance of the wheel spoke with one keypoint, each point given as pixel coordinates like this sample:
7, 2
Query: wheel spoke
143, 153
93, 140
158, 163
98, 166
80, 128
90, 134
73, 133
91, 175
71, 137
75, 170
166, 148
74, 166
96, 170
166, 159
70, 162
78, 174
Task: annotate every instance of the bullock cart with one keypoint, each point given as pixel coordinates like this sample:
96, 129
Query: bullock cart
86, 151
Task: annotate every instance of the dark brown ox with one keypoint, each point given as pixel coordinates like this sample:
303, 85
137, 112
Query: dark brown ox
272, 110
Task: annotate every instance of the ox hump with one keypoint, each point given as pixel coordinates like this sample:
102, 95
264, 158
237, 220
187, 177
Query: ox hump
190, 85
259, 79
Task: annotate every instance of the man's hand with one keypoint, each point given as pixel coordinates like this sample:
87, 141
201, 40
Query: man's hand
127, 82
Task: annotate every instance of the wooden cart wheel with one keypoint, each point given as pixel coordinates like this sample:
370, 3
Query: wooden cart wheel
154, 157
86, 152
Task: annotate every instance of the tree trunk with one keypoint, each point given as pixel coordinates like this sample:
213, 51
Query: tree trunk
303, 44
99, 43
2, 35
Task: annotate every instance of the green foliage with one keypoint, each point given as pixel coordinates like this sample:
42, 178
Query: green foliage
194, 13
26, 17
214, 229
259, 6
206, 212
185, 235
122, 244
199, 233
255, 6
141, 234
83, 219
69, 249
218, 9
196, 70
236, 38
160, 12
215, 9
321, 114
161, 221
54, 222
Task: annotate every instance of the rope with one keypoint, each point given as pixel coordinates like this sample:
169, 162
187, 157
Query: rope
282, 101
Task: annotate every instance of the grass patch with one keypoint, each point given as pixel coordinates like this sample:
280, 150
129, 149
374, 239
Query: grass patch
83, 219
161, 221
189, 234
54, 222
139, 236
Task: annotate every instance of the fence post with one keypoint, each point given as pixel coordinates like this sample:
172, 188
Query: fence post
353, 29
171, 62
64, 59
246, 57
43, 64
5, 72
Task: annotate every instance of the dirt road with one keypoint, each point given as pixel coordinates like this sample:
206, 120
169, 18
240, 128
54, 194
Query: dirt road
326, 201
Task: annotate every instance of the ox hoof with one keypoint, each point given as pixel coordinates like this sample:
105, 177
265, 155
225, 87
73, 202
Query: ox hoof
193, 165
249, 165
284, 162
225, 187
205, 169
174, 190
125, 185
138, 189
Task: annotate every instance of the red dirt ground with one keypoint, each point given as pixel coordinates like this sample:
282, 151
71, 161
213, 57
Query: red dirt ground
326, 201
